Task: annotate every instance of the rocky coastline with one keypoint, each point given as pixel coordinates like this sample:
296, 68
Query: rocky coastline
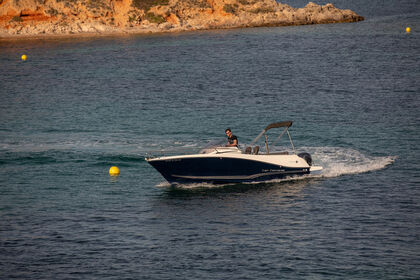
44, 18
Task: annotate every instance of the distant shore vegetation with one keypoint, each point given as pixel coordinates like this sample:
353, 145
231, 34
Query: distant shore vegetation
147, 4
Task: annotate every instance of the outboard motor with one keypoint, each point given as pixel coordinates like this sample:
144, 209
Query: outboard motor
307, 157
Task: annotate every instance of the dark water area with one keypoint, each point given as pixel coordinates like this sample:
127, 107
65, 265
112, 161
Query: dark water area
76, 107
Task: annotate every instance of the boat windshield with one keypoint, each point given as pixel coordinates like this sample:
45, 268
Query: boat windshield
212, 145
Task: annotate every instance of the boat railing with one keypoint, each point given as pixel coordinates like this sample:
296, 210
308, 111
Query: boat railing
255, 151
279, 153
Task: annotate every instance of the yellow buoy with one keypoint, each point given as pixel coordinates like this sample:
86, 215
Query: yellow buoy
114, 171
24, 57
408, 30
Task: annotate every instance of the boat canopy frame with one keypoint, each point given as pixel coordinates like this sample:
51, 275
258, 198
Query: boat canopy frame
285, 124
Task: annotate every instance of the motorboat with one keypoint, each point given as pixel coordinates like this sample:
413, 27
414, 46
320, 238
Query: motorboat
221, 164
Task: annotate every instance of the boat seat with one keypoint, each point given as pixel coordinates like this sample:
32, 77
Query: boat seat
256, 150
248, 150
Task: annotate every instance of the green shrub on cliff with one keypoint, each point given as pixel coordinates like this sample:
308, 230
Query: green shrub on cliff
230, 8
154, 18
263, 10
98, 4
132, 18
16, 19
198, 3
52, 12
147, 4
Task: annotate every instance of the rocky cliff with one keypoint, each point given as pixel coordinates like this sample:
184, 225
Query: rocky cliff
60, 17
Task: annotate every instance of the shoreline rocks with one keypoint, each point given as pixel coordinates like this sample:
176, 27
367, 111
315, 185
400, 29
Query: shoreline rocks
40, 18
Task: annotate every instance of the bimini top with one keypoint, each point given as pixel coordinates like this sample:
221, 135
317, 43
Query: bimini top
278, 124
285, 124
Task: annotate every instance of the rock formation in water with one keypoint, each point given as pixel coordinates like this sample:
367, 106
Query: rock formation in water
60, 17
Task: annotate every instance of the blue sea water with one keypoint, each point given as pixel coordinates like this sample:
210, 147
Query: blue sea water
76, 107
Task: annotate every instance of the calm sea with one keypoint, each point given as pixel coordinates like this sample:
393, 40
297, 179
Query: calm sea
76, 107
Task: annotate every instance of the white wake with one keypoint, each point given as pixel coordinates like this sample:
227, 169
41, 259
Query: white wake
337, 161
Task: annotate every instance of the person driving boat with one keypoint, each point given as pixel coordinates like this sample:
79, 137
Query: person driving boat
232, 139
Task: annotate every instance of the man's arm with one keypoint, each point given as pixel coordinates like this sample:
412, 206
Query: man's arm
234, 144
